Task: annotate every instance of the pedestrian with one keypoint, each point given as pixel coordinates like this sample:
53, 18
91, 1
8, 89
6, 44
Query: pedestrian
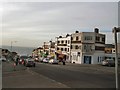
17, 60
14, 66
63, 61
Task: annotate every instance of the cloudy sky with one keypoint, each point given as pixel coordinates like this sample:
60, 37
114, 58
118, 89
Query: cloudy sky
32, 23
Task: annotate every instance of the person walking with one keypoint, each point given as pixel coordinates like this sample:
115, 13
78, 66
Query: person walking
63, 61
17, 60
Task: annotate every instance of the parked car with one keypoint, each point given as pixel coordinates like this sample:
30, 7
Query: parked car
2, 58
22, 59
41, 59
53, 61
29, 62
36, 58
108, 62
46, 60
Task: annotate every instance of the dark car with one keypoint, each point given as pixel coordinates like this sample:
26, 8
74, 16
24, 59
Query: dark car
3, 59
108, 62
29, 62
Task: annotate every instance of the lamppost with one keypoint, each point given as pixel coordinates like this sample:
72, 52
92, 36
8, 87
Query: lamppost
115, 31
56, 44
12, 44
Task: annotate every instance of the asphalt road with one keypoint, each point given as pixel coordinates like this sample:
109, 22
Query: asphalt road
77, 77
58, 76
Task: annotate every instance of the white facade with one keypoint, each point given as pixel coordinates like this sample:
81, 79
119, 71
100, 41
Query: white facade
87, 47
63, 44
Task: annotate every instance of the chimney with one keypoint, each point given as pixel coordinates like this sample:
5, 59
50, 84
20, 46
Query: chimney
76, 31
96, 30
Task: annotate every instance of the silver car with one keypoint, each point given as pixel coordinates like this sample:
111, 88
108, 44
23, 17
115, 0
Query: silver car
108, 62
53, 61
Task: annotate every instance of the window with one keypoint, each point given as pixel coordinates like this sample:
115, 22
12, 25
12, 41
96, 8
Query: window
58, 42
98, 59
77, 38
66, 41
88, 38
103, 39
113, 50
71, 46
68, 49
85, 47
57, 48
65, 49
62, 42
76, 47
97, 38
61, 49
71, 38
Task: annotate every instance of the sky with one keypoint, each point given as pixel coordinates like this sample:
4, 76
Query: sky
32, 23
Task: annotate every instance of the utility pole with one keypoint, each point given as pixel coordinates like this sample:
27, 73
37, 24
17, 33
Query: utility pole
115, 30
12, 44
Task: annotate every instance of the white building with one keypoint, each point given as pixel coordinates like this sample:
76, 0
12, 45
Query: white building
62, 46
49, 47
87, 47
110, 51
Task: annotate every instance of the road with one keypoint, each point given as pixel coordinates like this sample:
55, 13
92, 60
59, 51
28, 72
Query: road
80, 78
60, 76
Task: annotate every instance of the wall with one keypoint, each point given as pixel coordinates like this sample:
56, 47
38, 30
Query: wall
76, 58
97, 54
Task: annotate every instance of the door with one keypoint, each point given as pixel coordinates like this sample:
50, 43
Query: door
87, 59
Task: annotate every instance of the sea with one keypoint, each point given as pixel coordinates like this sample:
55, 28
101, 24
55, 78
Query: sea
20, 50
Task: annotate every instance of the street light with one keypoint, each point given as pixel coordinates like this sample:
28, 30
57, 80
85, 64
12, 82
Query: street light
12, 44
115, 31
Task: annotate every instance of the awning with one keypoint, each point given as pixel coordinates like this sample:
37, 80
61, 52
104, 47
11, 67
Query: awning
61, 56
59, 52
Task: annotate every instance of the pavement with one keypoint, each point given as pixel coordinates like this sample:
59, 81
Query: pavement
22, 77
